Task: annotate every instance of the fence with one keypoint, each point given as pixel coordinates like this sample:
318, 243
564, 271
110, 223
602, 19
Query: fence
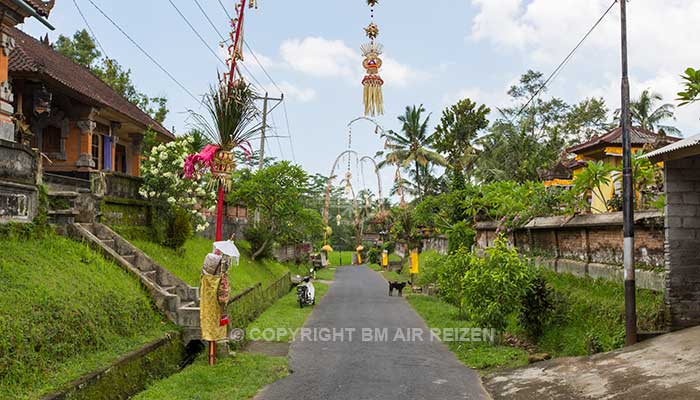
249, 304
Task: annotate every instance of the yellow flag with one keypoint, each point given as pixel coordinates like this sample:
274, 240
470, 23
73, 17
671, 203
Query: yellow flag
414, 261
385, 259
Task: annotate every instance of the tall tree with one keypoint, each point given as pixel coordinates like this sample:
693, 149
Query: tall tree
691, 87
411, 146
459, 126
82, 49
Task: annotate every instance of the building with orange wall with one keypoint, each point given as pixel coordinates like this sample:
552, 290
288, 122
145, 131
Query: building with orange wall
78, 123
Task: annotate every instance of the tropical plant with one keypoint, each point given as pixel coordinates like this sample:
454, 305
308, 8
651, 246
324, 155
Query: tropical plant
647, 115
645, 177
232, 115
459, 126
591, 180
412, 145
691, 82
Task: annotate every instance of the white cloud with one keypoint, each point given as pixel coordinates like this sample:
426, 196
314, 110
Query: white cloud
320, 57
291, 91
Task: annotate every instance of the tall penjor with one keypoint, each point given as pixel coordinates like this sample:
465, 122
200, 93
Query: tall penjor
372, 82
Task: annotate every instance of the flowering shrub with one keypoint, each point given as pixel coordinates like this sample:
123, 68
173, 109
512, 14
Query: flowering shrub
166, 188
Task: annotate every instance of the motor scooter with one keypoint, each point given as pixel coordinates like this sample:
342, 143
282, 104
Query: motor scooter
306, 293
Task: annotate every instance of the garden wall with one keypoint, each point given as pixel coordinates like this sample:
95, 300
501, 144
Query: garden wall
437, 243
588, 244
18, 190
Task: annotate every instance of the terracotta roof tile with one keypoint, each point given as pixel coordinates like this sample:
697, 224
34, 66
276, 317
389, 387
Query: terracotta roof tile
639, 137
31, 56
43, 8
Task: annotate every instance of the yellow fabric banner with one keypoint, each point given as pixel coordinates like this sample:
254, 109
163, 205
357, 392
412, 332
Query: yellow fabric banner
414, 261
210, 309
385, 259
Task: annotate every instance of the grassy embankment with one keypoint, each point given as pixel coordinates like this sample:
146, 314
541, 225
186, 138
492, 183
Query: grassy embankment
187, 263
239, 377
588, 318
65, 311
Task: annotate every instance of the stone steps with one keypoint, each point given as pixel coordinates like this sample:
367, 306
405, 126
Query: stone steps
177, 300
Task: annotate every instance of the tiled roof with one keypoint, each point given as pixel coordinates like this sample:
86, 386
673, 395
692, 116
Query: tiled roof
639, 137
43, 8
668, 151
31, 56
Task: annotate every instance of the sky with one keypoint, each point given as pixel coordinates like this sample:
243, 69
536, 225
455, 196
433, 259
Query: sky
436, 53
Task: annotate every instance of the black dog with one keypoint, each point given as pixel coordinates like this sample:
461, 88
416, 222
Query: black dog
396, 285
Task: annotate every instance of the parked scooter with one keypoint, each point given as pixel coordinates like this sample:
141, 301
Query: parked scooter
306, 293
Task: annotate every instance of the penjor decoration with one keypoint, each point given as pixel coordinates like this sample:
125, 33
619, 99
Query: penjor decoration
372, 82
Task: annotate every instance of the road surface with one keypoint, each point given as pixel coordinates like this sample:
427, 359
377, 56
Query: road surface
373, 367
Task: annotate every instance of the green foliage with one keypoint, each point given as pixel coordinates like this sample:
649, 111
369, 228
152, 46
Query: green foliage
459, 126
460, 235
374, 256
493, 287
430, 263
645, 114
536, 306
590, 181
647, 180
691, 92
82, 49
64, 312
278, 193
179, 230
450, 277
261, 239
232, 378
526, 140
186, 264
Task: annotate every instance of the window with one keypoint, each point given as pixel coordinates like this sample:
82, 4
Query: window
120, 158
96, 153
51, 140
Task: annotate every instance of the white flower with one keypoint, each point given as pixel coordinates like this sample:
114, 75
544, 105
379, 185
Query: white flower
152, 194
201, 228
171, 200
212, 208
163, 156
201, 192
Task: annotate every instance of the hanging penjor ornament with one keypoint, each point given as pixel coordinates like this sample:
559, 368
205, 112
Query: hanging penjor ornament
372, 82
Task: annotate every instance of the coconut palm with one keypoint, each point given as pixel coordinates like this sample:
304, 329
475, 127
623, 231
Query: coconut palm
411, 147
592, 179
645, 113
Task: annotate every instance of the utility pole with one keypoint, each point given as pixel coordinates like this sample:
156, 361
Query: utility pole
265, 100
627, 193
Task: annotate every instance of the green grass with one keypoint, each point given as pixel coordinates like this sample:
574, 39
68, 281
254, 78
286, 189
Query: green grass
326, 274
287, 314
335, 258
478, 355
65, 311
187, 263
232, 378
590, 315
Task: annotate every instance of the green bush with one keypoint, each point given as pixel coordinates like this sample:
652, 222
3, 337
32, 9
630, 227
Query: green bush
259, 238
450, 273
374, 256
536, 306
494, 286
460, 235
179, 229
430, 263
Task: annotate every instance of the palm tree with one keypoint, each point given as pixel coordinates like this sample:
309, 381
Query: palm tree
647, 115
591, 180
411, 147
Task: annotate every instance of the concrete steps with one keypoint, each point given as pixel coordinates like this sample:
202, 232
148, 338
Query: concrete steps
176, 299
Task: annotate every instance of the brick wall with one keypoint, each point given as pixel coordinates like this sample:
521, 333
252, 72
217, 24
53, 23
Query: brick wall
588, 244
683, 241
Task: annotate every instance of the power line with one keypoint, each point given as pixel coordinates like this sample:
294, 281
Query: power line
225, 10
250, 49
196, 32
223, 39
145, 52
567, 58
90, 28
289, 131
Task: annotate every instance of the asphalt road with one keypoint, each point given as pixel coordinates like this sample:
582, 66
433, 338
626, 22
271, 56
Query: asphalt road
354, 367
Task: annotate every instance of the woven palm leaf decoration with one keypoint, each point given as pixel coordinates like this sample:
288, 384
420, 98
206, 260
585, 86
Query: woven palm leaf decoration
372, 82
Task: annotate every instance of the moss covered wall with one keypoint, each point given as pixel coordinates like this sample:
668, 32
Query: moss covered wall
123, 212
130, 374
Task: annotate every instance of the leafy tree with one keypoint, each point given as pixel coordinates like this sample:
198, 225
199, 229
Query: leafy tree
530, 136
647, 115
82, 49
412, 145
459, 126
277, 191
691, 93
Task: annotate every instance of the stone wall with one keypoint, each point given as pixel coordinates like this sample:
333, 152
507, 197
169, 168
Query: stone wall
18, 189
589, 245
122, 185
438, 243
683, 241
